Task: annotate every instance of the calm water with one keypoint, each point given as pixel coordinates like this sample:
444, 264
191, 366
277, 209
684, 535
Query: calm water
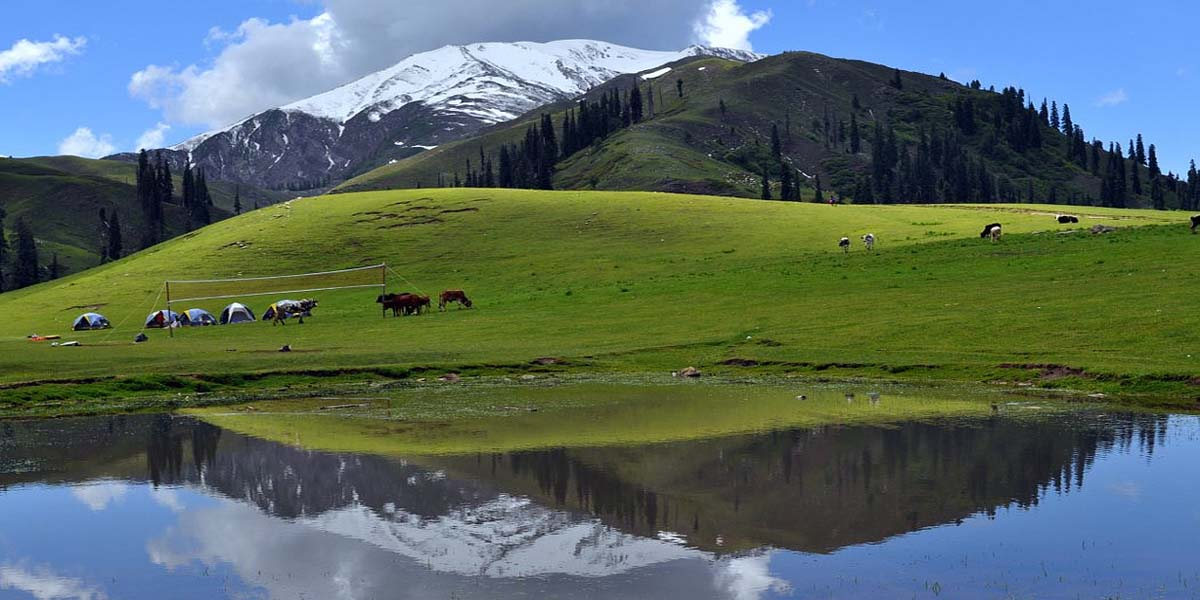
1089, 506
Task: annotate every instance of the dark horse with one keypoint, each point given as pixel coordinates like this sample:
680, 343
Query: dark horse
449, 296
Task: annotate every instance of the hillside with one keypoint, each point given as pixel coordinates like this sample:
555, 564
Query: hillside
920, 139
646, 283
61, 197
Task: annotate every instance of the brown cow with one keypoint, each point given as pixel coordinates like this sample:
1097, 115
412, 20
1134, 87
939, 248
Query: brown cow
449, 296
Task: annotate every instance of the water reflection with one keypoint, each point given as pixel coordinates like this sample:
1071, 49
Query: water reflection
201, 511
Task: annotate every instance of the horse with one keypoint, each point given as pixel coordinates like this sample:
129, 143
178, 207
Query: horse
844, 244
869, 240
448, 296
992, 230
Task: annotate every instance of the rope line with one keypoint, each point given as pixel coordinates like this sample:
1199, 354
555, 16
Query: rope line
406, 281
127, 316
351, 270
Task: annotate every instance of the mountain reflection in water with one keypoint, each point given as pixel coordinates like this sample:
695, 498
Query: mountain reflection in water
710, 518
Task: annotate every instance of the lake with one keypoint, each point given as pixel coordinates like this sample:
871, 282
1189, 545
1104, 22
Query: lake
1078, 503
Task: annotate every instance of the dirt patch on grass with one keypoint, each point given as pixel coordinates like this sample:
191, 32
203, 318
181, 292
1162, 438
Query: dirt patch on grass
459, 210
85, 306
1048, 371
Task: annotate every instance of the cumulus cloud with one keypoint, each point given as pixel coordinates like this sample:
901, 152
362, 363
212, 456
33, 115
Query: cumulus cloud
726, 25
1113, 98
749, 577
97, 496
153, 137
24, 57
261, 64
43, 584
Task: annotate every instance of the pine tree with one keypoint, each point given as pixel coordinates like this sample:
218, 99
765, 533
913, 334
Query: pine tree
896, 82
855, 104
855, 138
4, 246
189, 194
1141, 151
776, 146
679, 87
1054, 122
201, 200
724, 110
114, 237
1068, 127
1134, 177
1157, 197
819, 196
635, 104
766, 185
1044, 114
25, 267
55, 268
785, 182
237, 200
1152, 157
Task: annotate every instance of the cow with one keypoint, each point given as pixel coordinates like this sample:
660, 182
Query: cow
449, 296
1195, 223
392, 302
844, 244
284, 309
992, 231
869, 240
1067, 219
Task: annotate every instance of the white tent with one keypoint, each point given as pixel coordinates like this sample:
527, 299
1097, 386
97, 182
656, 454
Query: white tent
236, 313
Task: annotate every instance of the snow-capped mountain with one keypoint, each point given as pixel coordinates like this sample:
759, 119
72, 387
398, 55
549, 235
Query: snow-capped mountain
424, 100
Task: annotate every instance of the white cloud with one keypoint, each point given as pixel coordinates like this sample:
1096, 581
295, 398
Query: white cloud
726, 25
1113, 98
749, 577
261, 64
98, 496
24, 57
44, 584
153, 137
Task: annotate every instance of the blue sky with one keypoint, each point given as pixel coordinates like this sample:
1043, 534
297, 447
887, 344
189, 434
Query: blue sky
1124, 69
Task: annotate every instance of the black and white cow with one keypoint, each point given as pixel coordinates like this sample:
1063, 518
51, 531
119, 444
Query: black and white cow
1195, 223
869, 240
844, 244
1067, 219
992, 230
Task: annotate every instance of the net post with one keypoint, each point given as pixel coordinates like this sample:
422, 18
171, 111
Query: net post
170, 329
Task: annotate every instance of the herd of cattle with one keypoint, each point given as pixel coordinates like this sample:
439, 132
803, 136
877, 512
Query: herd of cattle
407, 303
991, 230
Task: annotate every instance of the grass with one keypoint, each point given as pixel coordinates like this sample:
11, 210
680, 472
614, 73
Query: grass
637, 283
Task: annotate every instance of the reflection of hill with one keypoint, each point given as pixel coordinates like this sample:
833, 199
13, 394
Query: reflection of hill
808, 489
814, 490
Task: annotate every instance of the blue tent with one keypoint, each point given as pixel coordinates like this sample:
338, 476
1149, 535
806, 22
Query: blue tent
236, 313
88, 321
160, 319
194, 317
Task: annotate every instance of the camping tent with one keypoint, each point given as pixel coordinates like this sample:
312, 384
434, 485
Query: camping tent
194, 317
90, 321
236, 313
160, 319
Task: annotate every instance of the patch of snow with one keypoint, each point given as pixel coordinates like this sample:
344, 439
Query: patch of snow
658, 73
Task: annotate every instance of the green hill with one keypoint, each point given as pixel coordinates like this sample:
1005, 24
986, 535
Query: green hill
61, 197
921, 139
645, 283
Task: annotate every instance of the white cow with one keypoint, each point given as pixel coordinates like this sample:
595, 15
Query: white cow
844, 244
869, 240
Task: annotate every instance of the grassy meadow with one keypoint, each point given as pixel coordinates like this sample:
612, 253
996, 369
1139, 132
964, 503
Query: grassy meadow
635, 283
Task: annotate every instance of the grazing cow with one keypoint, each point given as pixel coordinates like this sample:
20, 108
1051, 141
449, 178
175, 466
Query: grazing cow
869, 240
449, 296
844, 244
416, 303
392, 302
1067, 219
992, 231
1195, 222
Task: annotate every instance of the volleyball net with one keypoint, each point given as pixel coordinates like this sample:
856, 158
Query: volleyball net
179, 291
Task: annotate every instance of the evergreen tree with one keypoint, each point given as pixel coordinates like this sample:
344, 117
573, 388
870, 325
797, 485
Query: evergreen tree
679, 87
785, 182
1054, 122
818, 191
1044, 114
1134, 177
766, 185
237, 200
102, 234
201, 201
4, 246
114, 237
1152, 157
1157, 197
650, 101
776, 145
896, 82
1068, 127
189, 195
855, 104
25, 266
635, 105
1141, 151
855, 138
724, 110
55, 268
